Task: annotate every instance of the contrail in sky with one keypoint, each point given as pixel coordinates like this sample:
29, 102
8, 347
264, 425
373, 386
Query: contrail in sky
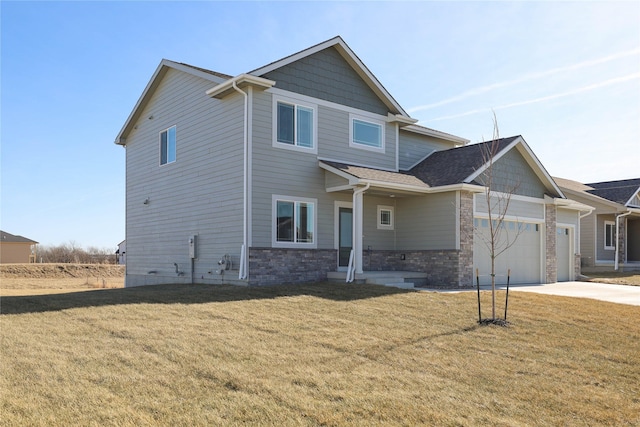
545, 98
526, 77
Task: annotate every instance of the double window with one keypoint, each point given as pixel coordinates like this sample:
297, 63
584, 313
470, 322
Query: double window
294, 125
367, 134
168, 146
294, 222
610, 235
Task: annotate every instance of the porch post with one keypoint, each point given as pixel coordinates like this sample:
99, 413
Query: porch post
358, 208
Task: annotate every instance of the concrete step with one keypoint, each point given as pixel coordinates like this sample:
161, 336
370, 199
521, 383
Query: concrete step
401, 285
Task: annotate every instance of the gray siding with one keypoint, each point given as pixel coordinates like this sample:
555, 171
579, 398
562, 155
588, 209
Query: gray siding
426, 222
375, 239
516, 208
603, 254
333, 141
511, 173
326, 75
199, 194
415, 147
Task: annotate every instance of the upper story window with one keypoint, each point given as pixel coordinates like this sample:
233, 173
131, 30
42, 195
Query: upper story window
367, 134
168, 146
609, 235
294, 125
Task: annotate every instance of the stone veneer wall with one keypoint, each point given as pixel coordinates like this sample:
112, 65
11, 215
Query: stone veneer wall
465, 261
550, 247
577, 266
273, 266
622, 254
442, 266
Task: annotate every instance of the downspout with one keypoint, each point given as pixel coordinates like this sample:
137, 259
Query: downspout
242, 269
357, 226
618, 237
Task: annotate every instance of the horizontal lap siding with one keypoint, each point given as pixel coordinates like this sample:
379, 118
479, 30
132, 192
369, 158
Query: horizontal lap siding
426, 222
373, 237
415, 147
517, 209
199, 194
602, 253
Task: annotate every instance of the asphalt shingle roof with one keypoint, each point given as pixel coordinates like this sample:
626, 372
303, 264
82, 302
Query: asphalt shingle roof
11, 238
616, 191
445, 167
453, 166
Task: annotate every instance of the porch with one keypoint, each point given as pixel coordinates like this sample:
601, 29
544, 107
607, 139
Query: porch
398, 279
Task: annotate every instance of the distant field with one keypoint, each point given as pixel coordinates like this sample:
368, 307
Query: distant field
21, 279
321, 354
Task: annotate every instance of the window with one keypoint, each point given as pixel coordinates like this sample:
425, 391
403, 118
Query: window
385, 217
294, 125
294, 222
366, 134
609, 235
168, 146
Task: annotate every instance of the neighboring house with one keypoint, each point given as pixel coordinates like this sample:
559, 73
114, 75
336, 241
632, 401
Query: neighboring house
611, 235
16, 249
308, 166
121, 253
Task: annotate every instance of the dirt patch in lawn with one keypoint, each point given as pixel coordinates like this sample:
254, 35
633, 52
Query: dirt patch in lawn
630, 278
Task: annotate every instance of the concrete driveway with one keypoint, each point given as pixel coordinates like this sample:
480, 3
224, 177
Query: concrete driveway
620, 294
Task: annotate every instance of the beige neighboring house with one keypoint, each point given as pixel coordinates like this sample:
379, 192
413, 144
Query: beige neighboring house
16, 249
611, 234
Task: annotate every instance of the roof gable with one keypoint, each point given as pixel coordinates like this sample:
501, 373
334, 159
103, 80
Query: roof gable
164, 66
319, 56
467, 164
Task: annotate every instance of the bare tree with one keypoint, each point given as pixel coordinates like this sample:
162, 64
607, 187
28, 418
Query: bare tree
498, 194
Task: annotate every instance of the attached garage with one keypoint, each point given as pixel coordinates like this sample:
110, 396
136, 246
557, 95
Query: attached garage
523, 256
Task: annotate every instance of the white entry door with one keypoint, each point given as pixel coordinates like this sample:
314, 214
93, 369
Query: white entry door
523, 257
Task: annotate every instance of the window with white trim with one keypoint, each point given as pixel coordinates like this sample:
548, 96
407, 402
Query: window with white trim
168, 146
609, 235
294, 222
366, 133
385, 217
294, 125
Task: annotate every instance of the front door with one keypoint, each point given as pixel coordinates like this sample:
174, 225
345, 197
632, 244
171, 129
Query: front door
345, 235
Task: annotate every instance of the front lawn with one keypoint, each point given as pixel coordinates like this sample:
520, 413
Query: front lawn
323, 354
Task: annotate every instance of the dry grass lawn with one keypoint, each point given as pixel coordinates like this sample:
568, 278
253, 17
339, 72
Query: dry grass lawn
323, 354
619, 278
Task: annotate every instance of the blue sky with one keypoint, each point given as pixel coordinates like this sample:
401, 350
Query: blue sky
564, 75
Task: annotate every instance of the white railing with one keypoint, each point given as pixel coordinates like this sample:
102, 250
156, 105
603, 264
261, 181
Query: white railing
351, 269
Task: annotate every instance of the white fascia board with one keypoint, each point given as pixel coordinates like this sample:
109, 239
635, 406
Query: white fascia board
484, 167
540, 169
595, 198
636, 194
353, 180
401, 120
436, 134
425, 190
350, 57
223, 89
572, 205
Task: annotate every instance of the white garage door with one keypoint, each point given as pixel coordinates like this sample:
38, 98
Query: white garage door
563, 248
523, 257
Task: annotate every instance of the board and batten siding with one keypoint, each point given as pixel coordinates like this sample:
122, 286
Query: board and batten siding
426, 222
414, 147
198, 194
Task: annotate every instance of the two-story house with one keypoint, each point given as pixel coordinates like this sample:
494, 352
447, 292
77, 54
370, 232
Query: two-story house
306, 168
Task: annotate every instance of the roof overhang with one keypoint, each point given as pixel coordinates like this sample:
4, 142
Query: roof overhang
354, 181
241, 81
436, 134
572, 205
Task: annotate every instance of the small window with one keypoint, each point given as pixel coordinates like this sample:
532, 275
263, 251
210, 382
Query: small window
168, 146
385, 217
609, 235
294, 223
294, 125
366, 134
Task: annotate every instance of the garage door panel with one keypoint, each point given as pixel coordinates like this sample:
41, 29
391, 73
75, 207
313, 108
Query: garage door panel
523, 257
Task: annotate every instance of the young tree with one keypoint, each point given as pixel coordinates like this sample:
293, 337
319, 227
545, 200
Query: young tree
499, 189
